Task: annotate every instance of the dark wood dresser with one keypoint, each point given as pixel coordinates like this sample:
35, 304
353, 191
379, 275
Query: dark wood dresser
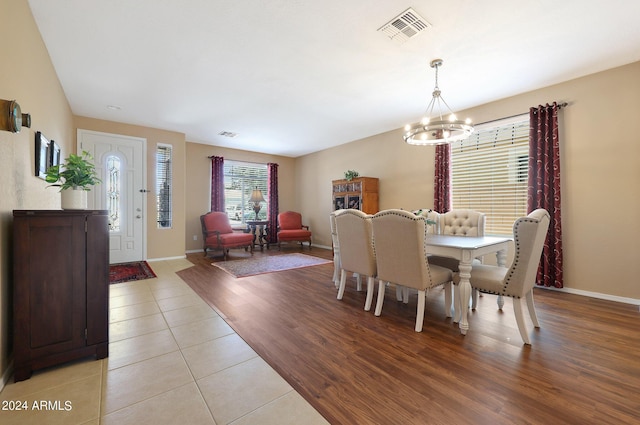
60, 287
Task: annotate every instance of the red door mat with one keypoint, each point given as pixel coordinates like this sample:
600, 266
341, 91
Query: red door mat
126, 272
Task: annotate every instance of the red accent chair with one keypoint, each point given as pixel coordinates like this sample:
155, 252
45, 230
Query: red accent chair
291, 229
217, 234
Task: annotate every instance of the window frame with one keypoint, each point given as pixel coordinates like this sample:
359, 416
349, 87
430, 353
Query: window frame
163, 215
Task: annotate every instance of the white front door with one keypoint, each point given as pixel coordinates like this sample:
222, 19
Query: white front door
120, 162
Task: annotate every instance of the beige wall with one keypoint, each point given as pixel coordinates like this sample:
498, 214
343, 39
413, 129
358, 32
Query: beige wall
600, 175
161, 243
28, 77
198, 177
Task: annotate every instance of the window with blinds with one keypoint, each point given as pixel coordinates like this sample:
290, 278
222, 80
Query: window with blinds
163, 186
240, 179
490, 172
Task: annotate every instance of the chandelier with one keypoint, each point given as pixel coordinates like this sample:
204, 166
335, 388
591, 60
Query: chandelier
438, 126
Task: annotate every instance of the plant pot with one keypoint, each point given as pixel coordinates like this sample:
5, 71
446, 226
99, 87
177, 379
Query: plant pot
73, 199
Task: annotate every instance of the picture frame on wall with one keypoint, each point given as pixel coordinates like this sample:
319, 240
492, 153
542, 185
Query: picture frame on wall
42, 155
54, 154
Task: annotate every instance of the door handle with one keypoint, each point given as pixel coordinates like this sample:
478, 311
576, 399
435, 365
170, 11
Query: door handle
144, 191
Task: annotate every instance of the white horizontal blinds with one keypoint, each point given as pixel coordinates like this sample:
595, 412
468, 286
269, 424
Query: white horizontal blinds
489, 174
240, 179
164, 180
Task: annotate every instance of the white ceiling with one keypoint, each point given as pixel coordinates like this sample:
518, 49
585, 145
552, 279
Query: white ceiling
292, 77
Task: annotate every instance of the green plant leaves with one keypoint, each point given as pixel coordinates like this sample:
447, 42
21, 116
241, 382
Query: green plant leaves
77, 172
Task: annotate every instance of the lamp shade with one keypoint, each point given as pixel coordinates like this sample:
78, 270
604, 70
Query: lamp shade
256, 196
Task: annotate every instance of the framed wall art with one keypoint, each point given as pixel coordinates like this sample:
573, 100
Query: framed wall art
54, 154
43, 157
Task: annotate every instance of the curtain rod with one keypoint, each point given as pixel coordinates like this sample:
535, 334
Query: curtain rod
560, 105
248, 162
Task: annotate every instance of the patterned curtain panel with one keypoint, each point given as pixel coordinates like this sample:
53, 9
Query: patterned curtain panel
442, 179
217, 183
544, 187
272, 194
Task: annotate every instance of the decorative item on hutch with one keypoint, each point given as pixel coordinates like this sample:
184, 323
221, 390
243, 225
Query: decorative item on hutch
360, 193
77, 178
351, 174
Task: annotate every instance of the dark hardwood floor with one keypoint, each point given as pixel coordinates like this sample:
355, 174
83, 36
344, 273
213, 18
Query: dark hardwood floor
354, 368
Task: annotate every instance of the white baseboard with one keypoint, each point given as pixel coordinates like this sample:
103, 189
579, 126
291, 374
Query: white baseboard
6, 375
322, 246
624, 300
180, 257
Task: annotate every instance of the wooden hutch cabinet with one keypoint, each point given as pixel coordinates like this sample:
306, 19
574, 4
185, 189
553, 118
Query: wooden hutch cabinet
360, 193
61, 287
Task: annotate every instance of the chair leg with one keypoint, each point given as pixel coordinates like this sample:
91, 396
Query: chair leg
343, 283
358, 281
500, 302
420, 313
518, 304
405, 295
369, 299
458, 307
380, 300
398, 292
532, 309
474, 298
447, 298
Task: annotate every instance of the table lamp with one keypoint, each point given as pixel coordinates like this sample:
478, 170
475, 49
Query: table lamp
256, 198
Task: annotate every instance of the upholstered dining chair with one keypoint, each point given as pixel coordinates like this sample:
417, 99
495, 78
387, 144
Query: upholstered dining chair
335, 246
291, 229
217, 234
357, 254
518, 280
336, 253
433, 226
401, 257
461, 222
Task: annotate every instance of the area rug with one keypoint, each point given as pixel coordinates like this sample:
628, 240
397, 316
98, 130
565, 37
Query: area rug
126, 272
273, 263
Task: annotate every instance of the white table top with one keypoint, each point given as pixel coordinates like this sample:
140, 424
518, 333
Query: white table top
465, 242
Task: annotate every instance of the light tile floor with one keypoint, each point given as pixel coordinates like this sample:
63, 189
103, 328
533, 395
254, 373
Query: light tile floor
172, 360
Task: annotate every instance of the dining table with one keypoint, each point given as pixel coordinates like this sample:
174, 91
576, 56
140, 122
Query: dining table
465, 249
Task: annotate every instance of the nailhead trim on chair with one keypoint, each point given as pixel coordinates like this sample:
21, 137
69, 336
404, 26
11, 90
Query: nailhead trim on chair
414, 218
516, 257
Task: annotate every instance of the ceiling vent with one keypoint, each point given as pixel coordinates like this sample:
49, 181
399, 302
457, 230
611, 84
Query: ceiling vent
228, 134
405, 26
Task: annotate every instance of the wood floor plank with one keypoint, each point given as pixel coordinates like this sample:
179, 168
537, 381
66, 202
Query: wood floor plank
355, 368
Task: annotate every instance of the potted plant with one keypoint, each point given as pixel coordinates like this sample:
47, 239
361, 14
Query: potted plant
74, 177
351, 174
